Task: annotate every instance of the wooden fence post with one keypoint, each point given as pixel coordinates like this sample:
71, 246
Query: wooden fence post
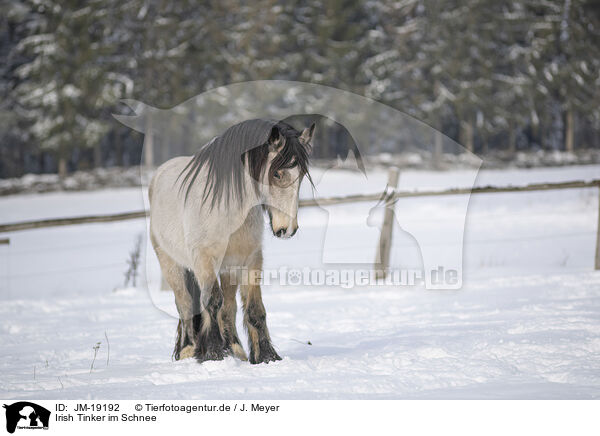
382, 259
4, 282
597, 260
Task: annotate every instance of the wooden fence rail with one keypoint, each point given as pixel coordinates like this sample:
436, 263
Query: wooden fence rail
325, 201
57, 222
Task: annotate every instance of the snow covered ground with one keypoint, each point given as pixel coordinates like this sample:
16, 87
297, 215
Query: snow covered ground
526, 323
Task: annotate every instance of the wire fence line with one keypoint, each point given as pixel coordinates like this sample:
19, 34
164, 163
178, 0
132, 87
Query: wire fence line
324, 201
67, 247
28, 225
280, 253
64, 270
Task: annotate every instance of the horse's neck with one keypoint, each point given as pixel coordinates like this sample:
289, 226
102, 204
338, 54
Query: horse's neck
243, 211
251, 197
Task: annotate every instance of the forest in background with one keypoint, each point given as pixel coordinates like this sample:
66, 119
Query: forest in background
492, 75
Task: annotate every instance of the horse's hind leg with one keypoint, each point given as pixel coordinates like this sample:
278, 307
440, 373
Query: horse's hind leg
227, 318
176, 278
255, 319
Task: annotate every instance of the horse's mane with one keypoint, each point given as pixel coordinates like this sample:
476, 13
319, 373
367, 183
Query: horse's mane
226, 155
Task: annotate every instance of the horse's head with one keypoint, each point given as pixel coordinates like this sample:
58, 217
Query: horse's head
286, 166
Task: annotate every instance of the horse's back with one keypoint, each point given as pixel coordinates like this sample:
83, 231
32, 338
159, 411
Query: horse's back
168, 171
166, 208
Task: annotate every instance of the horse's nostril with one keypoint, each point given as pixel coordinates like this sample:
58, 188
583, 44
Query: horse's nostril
279, 233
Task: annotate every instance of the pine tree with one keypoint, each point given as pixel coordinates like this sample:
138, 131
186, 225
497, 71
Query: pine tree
66, 86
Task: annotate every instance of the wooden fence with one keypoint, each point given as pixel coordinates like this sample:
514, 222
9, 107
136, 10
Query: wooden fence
389, 195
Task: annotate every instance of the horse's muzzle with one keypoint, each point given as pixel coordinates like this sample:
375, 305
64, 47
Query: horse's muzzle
284, 232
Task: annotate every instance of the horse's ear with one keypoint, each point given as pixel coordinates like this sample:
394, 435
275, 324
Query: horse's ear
275, 139
306, 136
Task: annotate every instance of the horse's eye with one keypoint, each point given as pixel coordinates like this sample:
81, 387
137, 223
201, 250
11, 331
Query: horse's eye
277, 175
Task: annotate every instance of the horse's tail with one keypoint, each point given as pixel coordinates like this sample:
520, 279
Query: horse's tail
177, 349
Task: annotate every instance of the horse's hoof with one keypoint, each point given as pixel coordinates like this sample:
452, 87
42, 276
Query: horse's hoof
265, 355
239, 352
210, 351
210, 355
187, 352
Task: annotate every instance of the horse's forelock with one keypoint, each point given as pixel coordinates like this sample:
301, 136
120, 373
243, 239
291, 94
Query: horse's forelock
251, 141
292, 153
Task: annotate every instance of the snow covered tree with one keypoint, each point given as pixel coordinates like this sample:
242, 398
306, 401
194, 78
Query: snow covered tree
66, 85
491, 75
15, 139
557, 45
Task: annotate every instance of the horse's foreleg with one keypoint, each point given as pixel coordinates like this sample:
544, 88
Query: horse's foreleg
228, 314
210, 344
255, 319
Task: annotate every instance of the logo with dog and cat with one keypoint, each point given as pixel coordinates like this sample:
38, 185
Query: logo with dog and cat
25, 415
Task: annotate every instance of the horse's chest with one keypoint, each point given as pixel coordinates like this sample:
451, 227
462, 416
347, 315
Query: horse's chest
244, 244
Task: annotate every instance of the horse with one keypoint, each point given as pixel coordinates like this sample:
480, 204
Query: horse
206, 227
